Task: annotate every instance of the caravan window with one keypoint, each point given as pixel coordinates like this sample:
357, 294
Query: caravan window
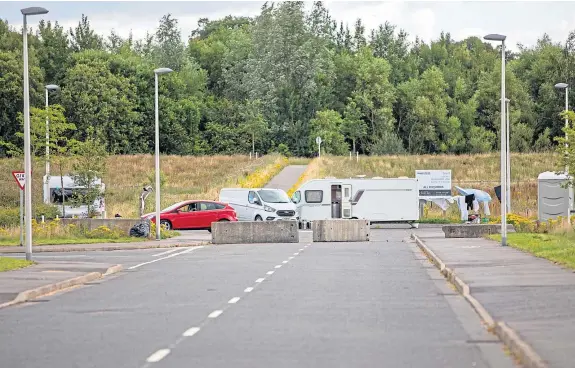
314, 196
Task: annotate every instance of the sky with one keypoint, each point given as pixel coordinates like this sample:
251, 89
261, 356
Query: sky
522, 21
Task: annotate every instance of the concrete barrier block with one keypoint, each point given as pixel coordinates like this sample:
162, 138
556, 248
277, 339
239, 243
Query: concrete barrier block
472, 230
340, 230
249, 232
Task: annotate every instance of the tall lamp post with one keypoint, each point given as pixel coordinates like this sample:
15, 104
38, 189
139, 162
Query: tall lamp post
157, 72
508, 165
27, 157
49, 87
566, 87
501, 38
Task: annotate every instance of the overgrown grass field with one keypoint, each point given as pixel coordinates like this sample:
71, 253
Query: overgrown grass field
183, 177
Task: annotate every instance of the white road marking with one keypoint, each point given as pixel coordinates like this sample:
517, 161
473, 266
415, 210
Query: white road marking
295, 254
290, 258
260, 280
270, 273
191, 332
284, 262
248, 290
234, 300
215, 314
301, 250
158, 355
166, 257
166, 252
278, 266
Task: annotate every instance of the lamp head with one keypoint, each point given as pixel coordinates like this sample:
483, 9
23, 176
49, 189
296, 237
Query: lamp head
35, 10
561, 85
163, 71
52, 87
495, 37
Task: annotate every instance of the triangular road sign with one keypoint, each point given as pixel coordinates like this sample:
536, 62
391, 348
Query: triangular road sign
20, 177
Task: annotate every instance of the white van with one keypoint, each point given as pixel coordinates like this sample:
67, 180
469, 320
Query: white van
64, 199
259, 204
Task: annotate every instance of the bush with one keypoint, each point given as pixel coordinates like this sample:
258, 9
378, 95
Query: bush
9, 217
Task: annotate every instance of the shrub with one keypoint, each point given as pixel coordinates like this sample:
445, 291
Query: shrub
9, 217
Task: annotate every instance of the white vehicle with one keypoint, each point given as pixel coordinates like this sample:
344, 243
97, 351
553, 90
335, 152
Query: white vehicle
376, 200
259, 204
53, 194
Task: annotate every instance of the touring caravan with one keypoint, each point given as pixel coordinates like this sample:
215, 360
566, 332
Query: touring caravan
64, 199
376, 200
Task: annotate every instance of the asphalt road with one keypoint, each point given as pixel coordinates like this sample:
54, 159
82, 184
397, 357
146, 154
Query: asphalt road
376, 304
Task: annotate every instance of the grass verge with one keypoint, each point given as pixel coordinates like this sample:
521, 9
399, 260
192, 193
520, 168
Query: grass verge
7, 242
7, 263
558, 248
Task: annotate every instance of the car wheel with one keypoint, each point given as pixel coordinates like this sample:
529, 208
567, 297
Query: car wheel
258, 218
166, 223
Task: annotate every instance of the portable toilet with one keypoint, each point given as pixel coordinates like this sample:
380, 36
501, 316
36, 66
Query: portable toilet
554, 198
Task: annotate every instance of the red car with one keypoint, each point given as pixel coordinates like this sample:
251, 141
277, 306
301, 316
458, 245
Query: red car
195, 214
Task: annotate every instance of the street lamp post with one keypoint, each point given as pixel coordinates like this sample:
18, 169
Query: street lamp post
501, 38
566, 87
27, 156
49, 87
157, 72
508, 166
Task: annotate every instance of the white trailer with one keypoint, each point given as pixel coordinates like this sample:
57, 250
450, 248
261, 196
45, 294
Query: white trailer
377, 200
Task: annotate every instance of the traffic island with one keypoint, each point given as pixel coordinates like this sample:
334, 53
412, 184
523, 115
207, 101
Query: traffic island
340, 230
472, 230
250, 232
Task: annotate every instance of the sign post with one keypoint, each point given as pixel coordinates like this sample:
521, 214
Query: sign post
20, 177
432, 184
318, 141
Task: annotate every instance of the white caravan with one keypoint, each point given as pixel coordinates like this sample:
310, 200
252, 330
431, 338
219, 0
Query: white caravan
53, 194
259, 204
376, 200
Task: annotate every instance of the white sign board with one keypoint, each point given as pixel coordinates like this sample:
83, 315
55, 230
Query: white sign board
318, 140
433, 183
20, 177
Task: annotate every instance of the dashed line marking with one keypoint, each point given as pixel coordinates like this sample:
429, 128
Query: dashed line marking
234, 300
301, 250
270, 273
260, 280
284, 262
295, 254
278, 266
290, 258
215, 314
248, 290
158, 355
191, 332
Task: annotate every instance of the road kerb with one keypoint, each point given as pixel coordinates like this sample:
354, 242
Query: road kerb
523, 351
35, 293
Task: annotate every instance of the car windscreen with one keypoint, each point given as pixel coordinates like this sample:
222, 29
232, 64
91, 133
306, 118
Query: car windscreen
173, 207
273, 196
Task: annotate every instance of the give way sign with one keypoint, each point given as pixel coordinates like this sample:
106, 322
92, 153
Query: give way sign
20, 177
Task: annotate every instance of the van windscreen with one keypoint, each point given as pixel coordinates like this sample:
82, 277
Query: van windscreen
273, 196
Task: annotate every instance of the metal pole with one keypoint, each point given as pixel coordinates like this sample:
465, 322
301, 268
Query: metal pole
157, 163
566, 147
21, 217
47, 139
503, 152
508, 165
27, 158
319, 149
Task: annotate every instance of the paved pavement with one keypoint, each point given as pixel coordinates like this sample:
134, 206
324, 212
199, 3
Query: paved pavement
532, 295
371, 304
287, 177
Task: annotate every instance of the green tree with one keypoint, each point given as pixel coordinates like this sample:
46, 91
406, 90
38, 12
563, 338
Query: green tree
353, 127
327, 125
254, 123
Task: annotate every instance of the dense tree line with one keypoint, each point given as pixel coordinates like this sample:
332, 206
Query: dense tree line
280, 79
